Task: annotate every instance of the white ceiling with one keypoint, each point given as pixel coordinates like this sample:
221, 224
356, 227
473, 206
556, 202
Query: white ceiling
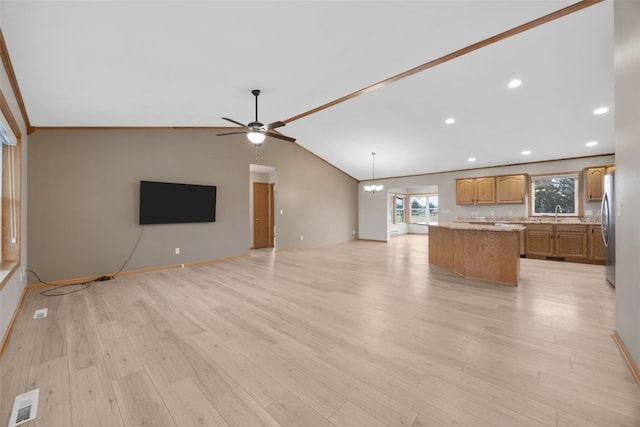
189, 63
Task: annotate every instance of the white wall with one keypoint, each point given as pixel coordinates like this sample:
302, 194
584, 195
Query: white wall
373, 207
627, 68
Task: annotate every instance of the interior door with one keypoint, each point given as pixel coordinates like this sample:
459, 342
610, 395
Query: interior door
262, 215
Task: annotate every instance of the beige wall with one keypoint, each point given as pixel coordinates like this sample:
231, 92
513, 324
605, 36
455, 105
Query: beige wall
83, 190
627, 182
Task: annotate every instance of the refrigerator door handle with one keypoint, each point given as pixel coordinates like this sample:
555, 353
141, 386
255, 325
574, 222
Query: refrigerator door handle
605, 218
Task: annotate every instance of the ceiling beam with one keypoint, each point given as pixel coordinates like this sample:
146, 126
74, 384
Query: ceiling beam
460, 52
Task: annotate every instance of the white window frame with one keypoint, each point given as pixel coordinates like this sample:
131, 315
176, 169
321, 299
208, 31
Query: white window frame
577, 192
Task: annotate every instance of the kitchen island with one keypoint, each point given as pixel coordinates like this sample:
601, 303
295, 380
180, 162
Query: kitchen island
477, 251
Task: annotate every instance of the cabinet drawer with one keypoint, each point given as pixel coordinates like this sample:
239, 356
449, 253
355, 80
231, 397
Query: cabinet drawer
575, 228
539, 227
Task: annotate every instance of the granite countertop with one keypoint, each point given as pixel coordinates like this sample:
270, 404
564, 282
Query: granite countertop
529, 220
482, 227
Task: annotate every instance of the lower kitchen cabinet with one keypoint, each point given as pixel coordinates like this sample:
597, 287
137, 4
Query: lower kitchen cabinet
538, 240
570, 242
596, 243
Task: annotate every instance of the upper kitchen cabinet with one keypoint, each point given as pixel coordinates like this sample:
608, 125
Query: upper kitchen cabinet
511, 188
595, 181
476, 191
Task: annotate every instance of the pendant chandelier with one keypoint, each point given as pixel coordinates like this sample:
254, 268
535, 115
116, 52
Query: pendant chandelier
373, 188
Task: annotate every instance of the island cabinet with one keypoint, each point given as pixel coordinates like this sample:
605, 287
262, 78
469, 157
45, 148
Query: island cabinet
476, 191
483, 252
511, 189
559, 241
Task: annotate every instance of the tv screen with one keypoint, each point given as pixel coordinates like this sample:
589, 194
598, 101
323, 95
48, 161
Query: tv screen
169, 203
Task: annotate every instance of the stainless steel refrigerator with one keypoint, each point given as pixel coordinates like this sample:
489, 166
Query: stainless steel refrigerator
609, 228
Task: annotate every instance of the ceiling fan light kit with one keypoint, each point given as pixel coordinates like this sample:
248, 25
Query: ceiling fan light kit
257, 132
256, 137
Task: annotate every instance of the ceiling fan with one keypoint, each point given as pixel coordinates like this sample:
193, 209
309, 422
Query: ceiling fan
256, 131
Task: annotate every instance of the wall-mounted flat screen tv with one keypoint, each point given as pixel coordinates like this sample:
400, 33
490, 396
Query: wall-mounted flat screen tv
170, 203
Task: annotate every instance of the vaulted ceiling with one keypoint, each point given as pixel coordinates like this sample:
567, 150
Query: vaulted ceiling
318, 64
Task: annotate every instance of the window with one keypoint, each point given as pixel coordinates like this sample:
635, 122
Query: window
399, 217
555, 192
424, 209
433, 208
10, 187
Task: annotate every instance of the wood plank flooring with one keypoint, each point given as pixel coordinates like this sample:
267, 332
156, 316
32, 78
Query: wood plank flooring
355, 334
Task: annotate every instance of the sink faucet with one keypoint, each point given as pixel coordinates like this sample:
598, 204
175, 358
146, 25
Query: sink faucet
558, 208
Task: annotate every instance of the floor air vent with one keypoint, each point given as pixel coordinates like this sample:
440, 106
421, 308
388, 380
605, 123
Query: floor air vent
25, 408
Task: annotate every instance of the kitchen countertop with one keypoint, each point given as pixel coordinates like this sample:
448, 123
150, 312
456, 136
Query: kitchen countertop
490, 226
529, 220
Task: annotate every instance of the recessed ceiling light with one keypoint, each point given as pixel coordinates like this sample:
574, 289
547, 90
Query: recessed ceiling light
526, 152
450, 120
514, 83
600, 110
472, 159
591, 143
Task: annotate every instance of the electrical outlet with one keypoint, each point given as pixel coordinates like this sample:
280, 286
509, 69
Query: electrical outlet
177, 251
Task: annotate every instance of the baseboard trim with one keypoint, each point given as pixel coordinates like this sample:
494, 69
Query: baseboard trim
627, 356
67, 282
5, 338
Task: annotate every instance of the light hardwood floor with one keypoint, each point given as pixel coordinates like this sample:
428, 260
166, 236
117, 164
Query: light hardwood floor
355, 334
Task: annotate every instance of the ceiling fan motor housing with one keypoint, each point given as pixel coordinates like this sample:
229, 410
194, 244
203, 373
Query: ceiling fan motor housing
256, 127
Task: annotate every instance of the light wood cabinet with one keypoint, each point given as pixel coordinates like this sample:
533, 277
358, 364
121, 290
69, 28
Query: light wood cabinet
476, 191
571, 241
488, 255
538, 240
596, 243
511, 188
465, 191
595, 183
566, 241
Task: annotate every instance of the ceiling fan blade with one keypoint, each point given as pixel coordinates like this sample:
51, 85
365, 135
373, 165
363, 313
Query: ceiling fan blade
280, 136
238, 123
231, 133
275, 125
